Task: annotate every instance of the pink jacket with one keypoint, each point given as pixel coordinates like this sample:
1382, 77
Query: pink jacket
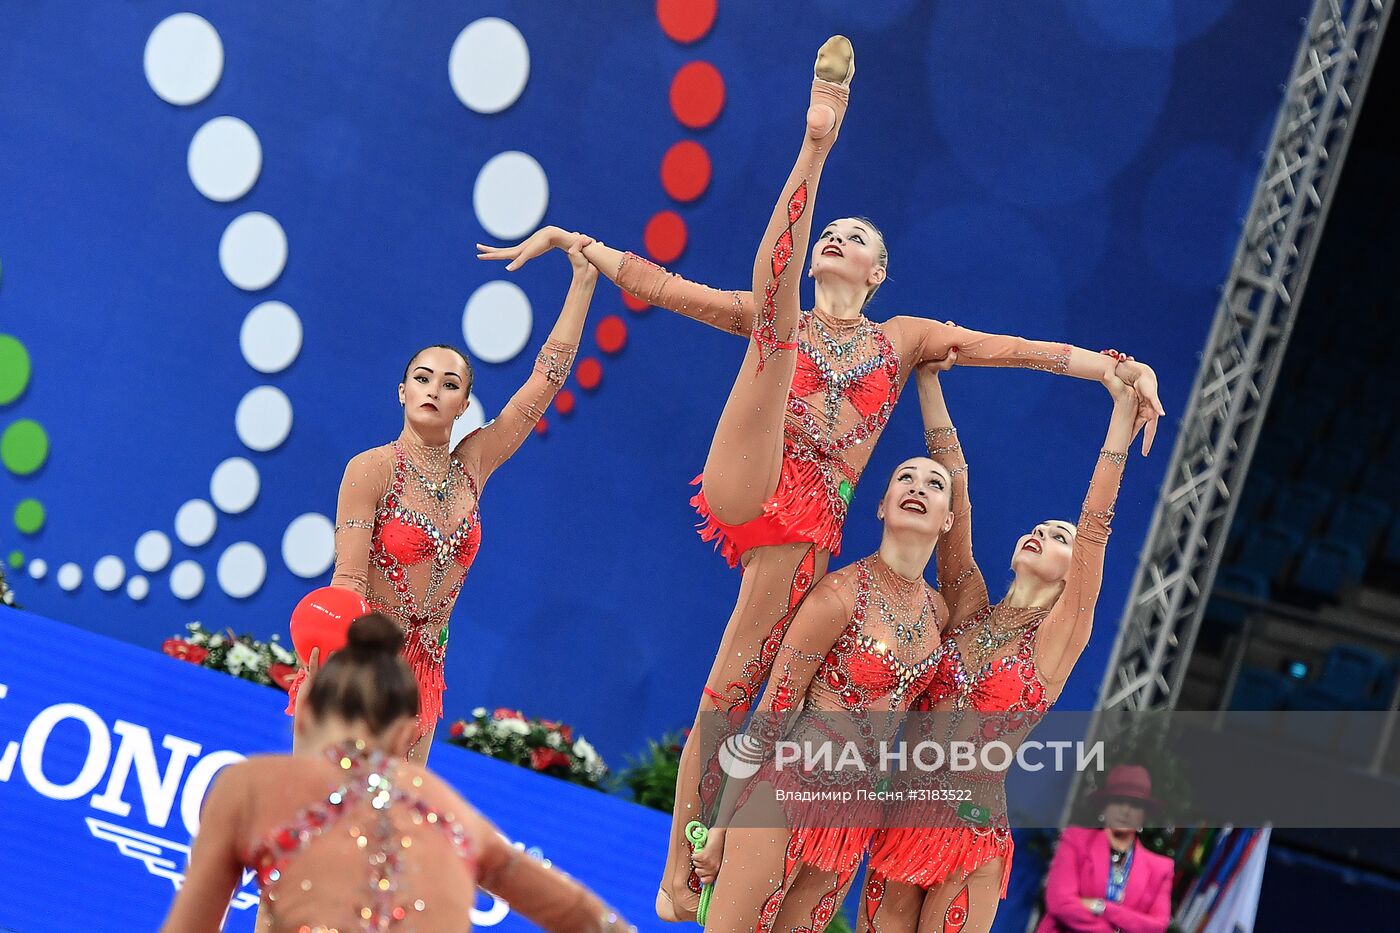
1080, 869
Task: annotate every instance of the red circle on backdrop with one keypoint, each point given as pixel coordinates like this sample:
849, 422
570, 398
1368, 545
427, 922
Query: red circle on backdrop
633, 303
611, 334
697, 94
686, 20
685, 170
541, 426
322, 620
590, 373
665, 236
564, 402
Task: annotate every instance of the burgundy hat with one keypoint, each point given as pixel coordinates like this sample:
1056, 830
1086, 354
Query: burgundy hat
1127, 782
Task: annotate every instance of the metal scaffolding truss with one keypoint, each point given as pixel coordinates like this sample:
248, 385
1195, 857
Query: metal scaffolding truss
1240, 366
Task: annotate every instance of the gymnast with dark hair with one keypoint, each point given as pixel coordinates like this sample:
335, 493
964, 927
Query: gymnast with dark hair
347, 835
408, 522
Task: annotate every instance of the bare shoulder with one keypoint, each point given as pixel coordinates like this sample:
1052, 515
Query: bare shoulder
836, 590
434, 791
380, 456
259, 770
377, 462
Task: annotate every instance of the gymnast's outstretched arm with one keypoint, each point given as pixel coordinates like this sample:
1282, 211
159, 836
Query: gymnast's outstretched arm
920, 340
959, 578
485, 449
731, 311
1065, 631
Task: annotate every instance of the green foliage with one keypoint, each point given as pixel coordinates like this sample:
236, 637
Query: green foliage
651, 777
840, 923
7, 595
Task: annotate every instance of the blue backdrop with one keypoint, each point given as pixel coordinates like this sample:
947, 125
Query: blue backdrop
1070, 169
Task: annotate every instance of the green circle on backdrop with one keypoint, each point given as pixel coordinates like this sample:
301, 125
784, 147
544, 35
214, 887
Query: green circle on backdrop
16, 559
29, 516
14, 369
24, 447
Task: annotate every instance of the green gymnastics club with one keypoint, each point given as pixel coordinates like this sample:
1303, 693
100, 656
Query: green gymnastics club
698, 834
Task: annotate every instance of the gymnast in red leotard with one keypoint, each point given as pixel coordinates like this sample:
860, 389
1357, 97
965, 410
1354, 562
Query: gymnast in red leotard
940, 868
813, 395
864, 644
408, 523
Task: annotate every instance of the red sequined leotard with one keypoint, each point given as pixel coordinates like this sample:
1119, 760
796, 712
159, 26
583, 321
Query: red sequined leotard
358, 840
366, 827
408, 524
987, 686
849, 375
862, 647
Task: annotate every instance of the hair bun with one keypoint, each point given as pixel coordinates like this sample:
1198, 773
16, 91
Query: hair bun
374, 634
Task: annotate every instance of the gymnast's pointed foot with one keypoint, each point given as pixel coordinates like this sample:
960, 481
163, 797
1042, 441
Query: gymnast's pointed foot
836, 65
669, 911
836, 61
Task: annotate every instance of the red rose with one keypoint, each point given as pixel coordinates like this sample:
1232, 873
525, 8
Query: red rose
542, 759
567, 731
456, 729
184, 651
282, 675
504, 713
550, 725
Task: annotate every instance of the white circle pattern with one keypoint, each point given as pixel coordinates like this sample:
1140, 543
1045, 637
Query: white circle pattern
242, 569
234, 485
253, 251
184, 59
225, 159
489, 65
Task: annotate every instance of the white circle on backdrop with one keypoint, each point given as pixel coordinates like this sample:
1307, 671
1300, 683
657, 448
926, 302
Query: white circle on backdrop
184, 59
264, 418
234, 485
270, 337
109, 573
489, 65
138, 588
242, 569
225, 158
70, 576
497, 321
308, 545
153, 551
253, 251
195, 523
187, 580
510, 195
38, 568
473, 418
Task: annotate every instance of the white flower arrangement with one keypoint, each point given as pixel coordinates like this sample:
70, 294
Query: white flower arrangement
240, 655
538, 744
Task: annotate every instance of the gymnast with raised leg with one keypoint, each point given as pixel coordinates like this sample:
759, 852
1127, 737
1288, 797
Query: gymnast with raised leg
812, 397
408, 522
942, 868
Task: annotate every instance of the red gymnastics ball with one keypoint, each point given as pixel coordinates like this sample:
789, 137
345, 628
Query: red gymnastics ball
322, 620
